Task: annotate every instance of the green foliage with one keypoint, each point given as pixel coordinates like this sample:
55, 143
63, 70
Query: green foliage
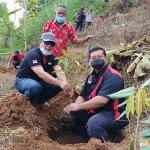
123, 93
137, 99
69, 64
145, 148
132, 145
146, 136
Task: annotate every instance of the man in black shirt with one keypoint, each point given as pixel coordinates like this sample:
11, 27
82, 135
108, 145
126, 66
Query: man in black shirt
95, 112
35, 77
80, 19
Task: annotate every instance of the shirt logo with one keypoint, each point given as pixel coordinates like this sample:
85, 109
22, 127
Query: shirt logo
90, 79
49, 63
34, 61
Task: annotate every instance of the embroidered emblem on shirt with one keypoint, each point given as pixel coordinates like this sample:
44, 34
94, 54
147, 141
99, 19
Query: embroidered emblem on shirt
34, 61
49, 63
90, 79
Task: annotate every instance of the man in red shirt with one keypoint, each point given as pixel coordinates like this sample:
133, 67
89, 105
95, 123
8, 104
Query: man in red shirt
15, 59
63, 30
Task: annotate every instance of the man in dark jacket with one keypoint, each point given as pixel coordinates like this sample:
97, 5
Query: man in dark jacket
80, 19
35, 77
96, 114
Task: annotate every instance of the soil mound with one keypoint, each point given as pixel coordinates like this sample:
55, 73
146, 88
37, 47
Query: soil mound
24, 126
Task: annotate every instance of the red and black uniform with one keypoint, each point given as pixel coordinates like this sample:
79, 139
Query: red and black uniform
102, 120
29, 83
16, 59
35, 58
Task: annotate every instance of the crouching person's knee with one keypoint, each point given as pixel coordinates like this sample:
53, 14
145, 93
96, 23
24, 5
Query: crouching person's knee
96, 130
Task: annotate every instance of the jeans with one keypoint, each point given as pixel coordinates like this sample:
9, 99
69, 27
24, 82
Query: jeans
98, 125
36, 91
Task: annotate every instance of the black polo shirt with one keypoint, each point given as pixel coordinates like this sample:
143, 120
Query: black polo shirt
35, 58
112, 82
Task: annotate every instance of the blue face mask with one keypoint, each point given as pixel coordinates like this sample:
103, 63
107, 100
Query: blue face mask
44, 52
60, 19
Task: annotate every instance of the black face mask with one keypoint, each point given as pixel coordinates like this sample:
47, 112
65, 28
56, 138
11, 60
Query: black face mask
97, 63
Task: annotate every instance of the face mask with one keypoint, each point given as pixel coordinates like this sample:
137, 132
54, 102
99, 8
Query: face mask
60, 19
97, 63
44, 52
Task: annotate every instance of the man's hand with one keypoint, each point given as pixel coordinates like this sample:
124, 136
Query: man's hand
89, 37
67, 87
71, 107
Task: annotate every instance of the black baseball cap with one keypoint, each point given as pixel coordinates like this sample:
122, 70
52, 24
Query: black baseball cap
16, 52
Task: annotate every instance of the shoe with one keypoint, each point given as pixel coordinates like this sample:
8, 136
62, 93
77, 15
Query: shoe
45, 105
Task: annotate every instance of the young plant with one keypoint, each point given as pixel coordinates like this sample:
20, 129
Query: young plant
138, 100
71, 66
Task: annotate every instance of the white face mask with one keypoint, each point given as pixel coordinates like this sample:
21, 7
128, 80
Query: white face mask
44, 52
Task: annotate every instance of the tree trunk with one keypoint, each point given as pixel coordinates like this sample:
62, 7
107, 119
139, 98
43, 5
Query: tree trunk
25, 23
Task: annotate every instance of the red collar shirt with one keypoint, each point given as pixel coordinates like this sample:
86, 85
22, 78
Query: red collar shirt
63, 33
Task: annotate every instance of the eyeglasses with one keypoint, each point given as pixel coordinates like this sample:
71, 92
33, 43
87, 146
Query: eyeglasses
51, 43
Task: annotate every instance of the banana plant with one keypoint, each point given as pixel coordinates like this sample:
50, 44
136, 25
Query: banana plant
138, 100
6, 26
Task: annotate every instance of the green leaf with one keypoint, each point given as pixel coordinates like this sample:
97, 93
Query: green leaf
65, 53
13, 12
59, 57
6, 17
69, 56
146, 132
146, 121
79, 57
123, 93
60, 61
125, 111
66, 63
147, 99
126, 101
132, 145
145, 148
117, 95
145, 138
147, 83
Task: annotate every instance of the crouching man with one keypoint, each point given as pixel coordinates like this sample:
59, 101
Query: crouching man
34, 78
94, 111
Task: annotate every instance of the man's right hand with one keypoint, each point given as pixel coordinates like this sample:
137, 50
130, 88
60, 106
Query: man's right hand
67, 87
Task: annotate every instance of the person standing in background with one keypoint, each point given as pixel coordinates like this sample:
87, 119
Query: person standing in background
63, 30
80, 20
89, 18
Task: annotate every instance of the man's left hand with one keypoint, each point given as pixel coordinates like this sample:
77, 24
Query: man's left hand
71, 107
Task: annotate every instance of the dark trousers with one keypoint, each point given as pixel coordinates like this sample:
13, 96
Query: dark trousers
36, 91
88, 24
79, 25
98, 125
16, 63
